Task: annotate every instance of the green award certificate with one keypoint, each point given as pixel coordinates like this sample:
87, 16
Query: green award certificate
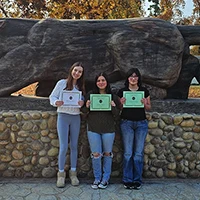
71, 98
133, 99
100, 102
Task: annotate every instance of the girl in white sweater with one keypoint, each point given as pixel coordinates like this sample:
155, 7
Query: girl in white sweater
68, 121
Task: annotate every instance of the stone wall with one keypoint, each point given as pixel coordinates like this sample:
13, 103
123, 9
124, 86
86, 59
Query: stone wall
29, 146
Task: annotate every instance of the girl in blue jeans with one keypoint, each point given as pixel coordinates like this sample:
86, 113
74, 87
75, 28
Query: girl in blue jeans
68, 121
101, 132
134, 128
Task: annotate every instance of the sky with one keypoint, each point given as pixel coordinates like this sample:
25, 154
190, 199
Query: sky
187, 11
188, 8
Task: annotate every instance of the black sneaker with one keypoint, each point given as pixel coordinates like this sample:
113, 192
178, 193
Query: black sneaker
128, 185
103, 185
136, 185
95, 184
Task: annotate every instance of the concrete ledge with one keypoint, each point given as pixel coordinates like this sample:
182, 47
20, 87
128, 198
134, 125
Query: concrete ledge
191, 106
25, 103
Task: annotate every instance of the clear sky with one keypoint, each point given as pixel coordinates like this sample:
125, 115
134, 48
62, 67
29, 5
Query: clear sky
188, 8
187, 11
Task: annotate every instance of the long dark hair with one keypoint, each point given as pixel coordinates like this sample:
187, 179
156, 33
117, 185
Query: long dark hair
129, 73
107, 89
80, 82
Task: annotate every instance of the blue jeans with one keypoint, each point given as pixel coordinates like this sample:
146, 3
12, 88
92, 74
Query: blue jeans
134, 134
66, 124
101, 144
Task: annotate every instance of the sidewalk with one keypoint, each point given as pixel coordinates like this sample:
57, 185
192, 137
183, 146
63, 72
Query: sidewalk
45, 189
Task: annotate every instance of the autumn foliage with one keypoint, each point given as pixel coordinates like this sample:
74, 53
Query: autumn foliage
98, 9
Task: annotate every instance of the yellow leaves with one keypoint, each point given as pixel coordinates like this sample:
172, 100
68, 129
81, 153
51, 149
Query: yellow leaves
97, 9
84, 9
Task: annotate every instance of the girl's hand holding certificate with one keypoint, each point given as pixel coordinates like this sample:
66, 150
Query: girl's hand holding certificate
59, 103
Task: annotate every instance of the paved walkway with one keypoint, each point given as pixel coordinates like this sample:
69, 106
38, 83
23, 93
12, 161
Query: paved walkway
45, 189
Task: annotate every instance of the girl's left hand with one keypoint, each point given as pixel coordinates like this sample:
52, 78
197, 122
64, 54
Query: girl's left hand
80, 103
113, 103
144, 101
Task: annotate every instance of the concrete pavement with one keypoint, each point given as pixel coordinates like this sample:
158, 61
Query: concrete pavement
45, 189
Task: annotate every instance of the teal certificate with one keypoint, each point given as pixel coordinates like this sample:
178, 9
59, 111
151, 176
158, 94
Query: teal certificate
133, 99
100, 102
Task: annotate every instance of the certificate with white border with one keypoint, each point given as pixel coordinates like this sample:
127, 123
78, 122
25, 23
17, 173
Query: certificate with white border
100, 102
133, 99
71, 98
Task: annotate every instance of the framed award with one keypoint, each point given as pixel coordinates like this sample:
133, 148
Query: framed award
100, 102
71, 98
133, 99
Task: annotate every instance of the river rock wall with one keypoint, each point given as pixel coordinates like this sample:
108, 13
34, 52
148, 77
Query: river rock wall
29, 146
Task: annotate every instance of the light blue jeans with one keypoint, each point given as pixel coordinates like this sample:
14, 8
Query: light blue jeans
66, 124
101, 143
134, 134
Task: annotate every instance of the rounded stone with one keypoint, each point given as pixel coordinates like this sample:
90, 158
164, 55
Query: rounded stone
35, 115
170, 174
195, 146
52, 122
187, 135
171, 166
55, 142
167, 119
44, 132
28, 168
2, 126
43, 161
178, 119
43, 125
187, 123
161, 124
10, 120
17, 155
48, 172
45, 139
156, 132
26, 116
53, 152
28, 125
148, 149
45, 115
152, 124
42, 153
159, 173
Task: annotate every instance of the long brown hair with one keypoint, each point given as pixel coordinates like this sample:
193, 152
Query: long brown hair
80, 82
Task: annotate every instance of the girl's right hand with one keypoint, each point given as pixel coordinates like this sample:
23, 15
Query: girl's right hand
88, 103
59, 103
122, 100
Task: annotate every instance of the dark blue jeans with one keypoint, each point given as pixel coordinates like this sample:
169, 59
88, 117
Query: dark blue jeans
134, 134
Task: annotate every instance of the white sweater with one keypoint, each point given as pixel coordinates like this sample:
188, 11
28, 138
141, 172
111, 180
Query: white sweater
56, 96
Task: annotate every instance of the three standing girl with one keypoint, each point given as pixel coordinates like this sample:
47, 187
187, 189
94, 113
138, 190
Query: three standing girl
68, 121
101, 132
134, 128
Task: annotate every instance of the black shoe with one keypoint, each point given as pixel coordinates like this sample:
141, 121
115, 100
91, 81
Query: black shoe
136, 185
95, 184
103, 185
128, 185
